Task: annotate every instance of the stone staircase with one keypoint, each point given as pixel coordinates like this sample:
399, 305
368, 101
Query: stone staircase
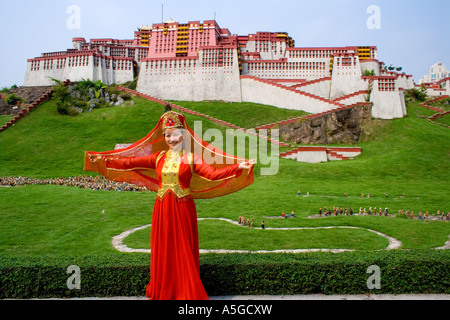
440, 112
25, 111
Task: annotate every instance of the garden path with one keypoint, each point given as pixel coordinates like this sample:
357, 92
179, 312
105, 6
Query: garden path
117, 241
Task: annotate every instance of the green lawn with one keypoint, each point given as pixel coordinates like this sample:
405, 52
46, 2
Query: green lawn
215, 235
408, 156
445, 120
4, 119
245, 115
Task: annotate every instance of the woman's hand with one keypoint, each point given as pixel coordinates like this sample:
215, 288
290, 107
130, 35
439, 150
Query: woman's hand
94, 158
247, 165
97, 157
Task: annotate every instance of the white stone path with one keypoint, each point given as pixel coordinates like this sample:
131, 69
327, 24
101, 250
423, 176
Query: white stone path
117, 241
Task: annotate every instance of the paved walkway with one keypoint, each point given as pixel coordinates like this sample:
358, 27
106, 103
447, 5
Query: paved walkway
341, 297
310, 297
118, 241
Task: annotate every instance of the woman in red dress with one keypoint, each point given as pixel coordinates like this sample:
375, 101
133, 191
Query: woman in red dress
179, 175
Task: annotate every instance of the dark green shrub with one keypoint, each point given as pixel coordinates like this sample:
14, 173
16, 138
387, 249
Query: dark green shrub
125, 96
12, 99
417, 94
62, 108
71, 111
7, 89
402, 272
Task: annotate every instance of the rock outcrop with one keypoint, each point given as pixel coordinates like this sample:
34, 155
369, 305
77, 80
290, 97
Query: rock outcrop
342, 126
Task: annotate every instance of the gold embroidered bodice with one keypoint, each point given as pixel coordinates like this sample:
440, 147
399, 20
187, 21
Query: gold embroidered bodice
170, 175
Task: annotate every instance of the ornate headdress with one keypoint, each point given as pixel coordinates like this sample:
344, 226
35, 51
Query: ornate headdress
172, 120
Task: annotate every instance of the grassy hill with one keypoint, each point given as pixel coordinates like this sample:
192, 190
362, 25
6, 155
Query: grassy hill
406, 158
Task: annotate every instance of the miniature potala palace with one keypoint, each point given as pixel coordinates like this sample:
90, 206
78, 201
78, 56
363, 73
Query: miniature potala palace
198, 61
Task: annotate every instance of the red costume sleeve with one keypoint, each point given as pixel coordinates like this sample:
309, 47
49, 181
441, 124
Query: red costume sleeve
136, 170
132, 163
211, 173
211, 182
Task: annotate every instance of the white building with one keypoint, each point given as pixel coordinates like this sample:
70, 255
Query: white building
437, 73
198, 61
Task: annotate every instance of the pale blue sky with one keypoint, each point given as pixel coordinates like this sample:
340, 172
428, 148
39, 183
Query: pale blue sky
413, 33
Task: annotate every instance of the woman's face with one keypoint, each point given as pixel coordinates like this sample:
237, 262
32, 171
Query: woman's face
174, 138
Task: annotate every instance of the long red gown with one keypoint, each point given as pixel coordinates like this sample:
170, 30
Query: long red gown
175, 263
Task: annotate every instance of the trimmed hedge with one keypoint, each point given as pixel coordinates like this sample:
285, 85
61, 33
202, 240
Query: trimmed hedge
46, 277
402, 272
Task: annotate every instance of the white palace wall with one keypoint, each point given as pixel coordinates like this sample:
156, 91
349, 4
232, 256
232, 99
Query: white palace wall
320, 87
41, 72
76, 68
199, 79
369, 65
192, 79
290, 68
446, 85
272, 51
268, 94
388, 105
388, 101
346, 77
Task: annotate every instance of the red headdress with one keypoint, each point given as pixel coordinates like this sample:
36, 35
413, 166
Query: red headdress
154, 142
